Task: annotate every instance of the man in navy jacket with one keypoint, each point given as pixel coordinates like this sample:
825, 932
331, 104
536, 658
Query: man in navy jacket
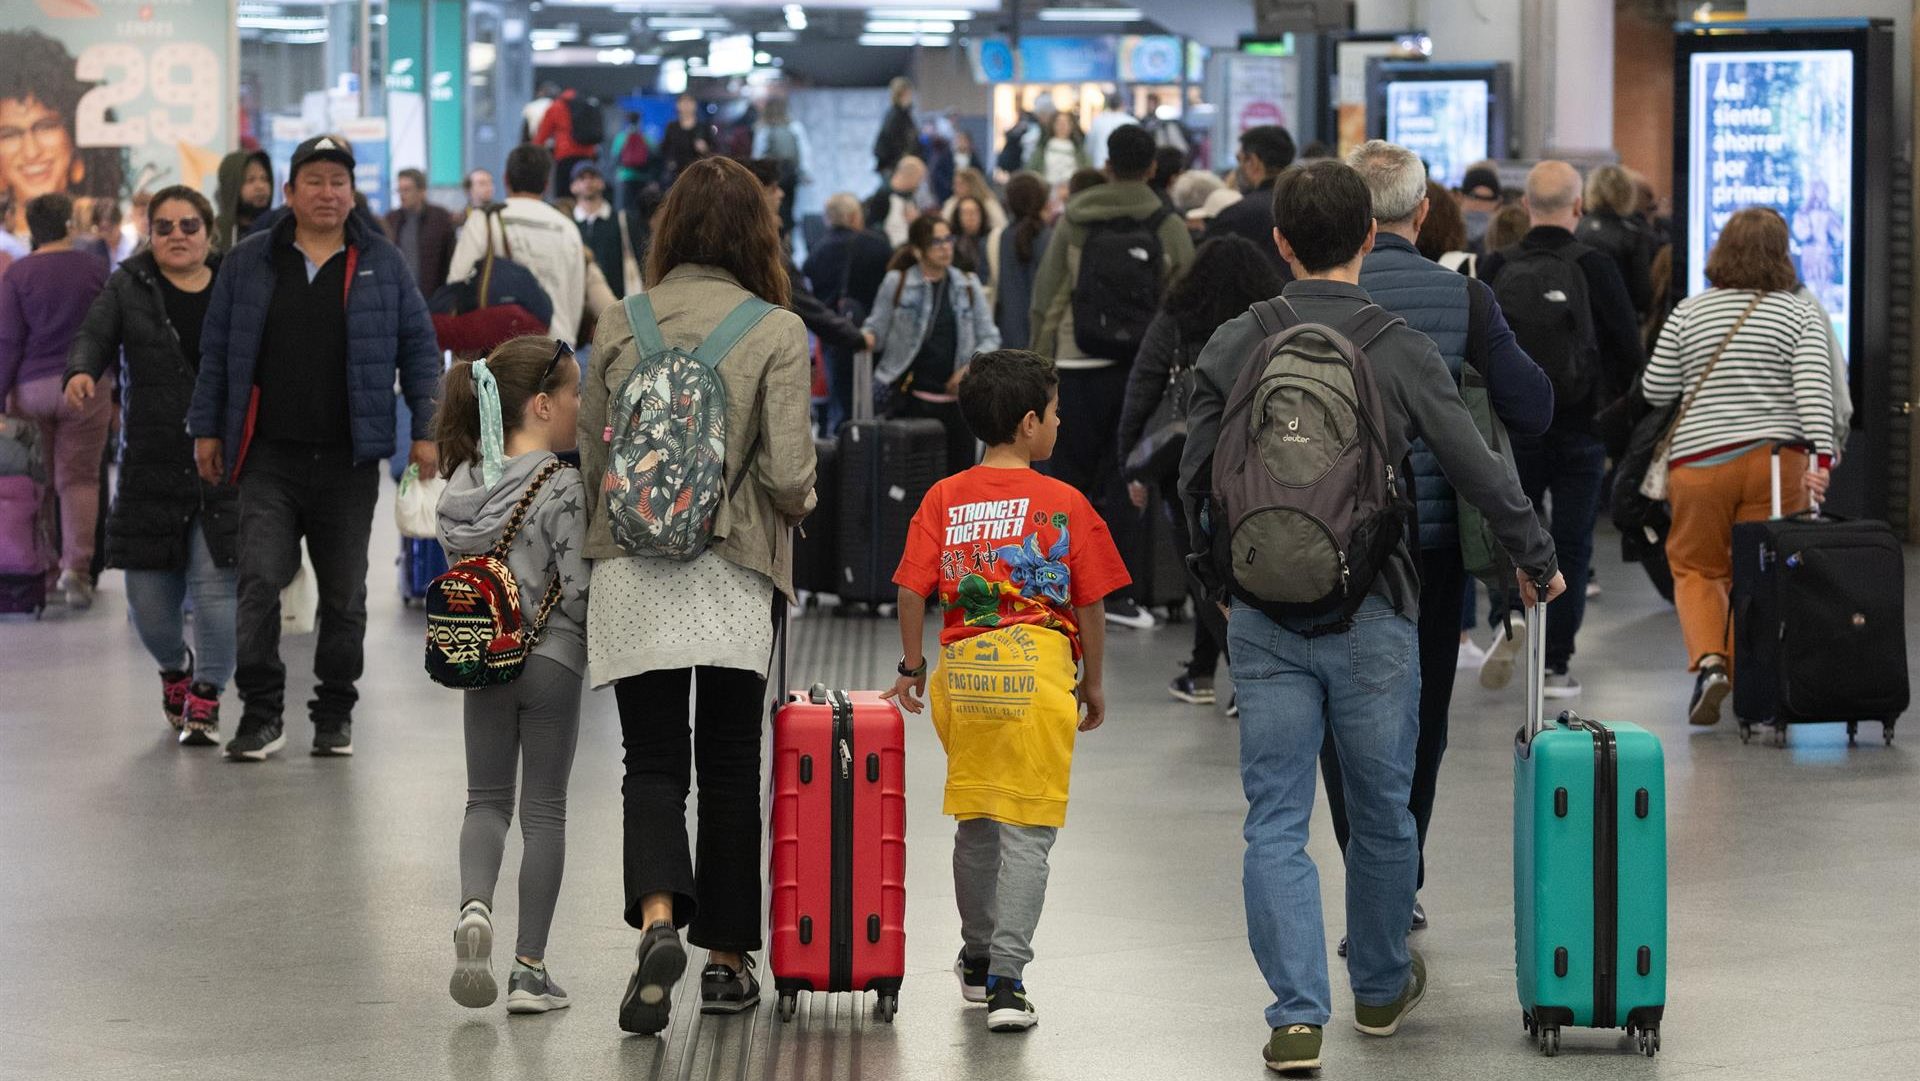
308, 324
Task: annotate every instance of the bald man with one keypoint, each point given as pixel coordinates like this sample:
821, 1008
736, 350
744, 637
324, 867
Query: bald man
1570, 310
845, 269
892, 209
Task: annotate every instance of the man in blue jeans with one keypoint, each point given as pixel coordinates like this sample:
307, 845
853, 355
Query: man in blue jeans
1360, 681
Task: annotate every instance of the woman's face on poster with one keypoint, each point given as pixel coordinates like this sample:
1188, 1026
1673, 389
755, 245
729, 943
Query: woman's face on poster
36, 150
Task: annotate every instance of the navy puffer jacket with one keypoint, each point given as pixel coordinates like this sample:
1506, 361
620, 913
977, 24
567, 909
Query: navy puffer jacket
388, 331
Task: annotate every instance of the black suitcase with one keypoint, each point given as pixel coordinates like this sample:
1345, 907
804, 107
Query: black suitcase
1819, 623
1162, 578
886, 468
816, 548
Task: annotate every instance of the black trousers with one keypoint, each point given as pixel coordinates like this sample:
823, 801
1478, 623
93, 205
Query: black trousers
716, 887
962, 448
1206, 650
290, 491
1442, 579
1087, 458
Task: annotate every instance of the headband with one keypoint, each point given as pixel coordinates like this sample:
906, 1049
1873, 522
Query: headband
492, 429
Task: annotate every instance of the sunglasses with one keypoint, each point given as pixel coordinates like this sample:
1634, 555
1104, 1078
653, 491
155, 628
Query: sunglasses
561, 349
940, 242
165, 226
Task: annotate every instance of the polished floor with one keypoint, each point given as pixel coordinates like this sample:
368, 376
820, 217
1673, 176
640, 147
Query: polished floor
166, 914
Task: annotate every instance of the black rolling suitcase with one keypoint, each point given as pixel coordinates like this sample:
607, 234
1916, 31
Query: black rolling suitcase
1819, 622
816, 544
886, 467
1161, 581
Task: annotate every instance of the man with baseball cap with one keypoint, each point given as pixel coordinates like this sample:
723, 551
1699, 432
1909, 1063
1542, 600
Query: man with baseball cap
602, 229
1479, 201
308, 325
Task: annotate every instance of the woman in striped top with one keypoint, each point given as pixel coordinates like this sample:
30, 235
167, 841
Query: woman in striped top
1773, 382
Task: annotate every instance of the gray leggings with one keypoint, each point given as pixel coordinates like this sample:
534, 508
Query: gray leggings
1000, 882
535, 718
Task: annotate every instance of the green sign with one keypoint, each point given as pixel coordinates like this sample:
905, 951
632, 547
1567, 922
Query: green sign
446, 97
1280, 46
406, 45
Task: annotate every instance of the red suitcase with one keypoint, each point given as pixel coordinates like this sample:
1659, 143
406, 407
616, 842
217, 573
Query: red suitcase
838, 853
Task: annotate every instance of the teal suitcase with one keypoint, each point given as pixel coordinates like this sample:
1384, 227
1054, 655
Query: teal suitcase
1589, 871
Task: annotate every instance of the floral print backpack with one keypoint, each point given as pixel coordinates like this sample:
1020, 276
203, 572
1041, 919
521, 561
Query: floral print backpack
667, 437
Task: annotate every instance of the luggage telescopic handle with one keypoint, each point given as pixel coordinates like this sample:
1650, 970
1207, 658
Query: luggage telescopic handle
863, 385
1791, 444
1536, 661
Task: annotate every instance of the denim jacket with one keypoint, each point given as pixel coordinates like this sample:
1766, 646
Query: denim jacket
901, 328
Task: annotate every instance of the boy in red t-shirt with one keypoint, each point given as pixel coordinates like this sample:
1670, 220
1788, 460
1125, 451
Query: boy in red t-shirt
1020, 563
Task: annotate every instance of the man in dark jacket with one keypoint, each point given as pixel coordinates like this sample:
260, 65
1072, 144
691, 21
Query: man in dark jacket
899, 135
844, 270
1265, 152
1360, 681
308, 325
1462, 318
1568, 459
600, 225
243, 197
422, 231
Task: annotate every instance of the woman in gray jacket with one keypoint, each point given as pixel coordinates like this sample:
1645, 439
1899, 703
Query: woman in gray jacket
929, 320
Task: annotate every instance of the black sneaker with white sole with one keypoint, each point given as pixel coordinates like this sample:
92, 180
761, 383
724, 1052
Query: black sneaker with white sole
1193, 690
725, 989
1126, 613
1709, 691
256, 740
972, 974
332, 738
1008, 1009
658, 964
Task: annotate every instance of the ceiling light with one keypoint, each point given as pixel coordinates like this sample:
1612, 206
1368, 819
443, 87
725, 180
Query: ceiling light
688, 22
899, 40
683, 35
949, 14
608, 40
776, 37
615, 56
544, 45
292, 24
909, 26
1090, 15
796, 17
763, 59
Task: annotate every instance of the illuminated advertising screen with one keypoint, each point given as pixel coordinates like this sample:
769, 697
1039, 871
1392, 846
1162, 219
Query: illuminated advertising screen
1443, 120
1775, 129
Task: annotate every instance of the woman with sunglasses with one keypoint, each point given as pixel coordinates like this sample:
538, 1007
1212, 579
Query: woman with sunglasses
175, 535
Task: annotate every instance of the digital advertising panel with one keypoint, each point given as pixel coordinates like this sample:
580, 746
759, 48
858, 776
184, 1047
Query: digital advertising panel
1445, 122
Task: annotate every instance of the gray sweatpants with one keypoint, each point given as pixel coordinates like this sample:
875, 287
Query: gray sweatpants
1000, 882
530, 724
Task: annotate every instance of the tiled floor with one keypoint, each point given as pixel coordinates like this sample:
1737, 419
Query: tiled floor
168, 915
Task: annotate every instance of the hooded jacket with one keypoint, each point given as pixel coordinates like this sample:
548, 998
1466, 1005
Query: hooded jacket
1060, 268
227, 230
472, 516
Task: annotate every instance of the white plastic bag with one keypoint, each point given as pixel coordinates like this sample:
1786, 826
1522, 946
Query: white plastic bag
300, 601
415, 507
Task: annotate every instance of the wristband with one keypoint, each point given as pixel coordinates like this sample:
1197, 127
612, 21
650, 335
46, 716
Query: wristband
912, 673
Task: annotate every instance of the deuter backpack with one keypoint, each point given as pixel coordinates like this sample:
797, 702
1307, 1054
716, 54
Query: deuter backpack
1122, 274
1306, 509
477, 634
1543, 293
589, 121
667, 454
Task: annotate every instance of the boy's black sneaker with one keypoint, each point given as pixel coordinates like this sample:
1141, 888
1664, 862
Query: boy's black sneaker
256, 740
658, 963
1128, 614
1709, 691
331, 738
726, 990
1193, 690
972, 973
1007, 1007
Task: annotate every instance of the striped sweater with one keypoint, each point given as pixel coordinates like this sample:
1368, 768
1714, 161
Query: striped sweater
1775, 381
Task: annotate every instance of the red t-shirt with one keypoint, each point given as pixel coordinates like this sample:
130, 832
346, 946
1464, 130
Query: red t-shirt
1007, 547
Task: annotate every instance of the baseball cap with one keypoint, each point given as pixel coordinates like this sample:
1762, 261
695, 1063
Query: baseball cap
1481, 182
581, 168
321, 148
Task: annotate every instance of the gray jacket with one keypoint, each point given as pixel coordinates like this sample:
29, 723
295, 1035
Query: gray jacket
472, 517
901, 326
1420, 401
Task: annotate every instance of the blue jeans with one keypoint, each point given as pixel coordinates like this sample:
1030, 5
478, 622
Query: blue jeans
1364, 685
1570, 466
156, 597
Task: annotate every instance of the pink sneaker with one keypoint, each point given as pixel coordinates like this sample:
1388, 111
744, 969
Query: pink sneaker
173, 696
202, 726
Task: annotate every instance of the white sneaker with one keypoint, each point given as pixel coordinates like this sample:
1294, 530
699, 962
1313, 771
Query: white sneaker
1470, 655
1593, 589
77, 589
1560, 685
473, 985
1128, 614
1496, 669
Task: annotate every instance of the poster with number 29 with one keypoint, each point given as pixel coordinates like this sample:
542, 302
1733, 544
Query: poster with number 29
102, 98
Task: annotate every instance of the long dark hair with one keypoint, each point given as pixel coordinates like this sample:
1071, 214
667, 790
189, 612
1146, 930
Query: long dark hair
38, 68
1445, 229
1228, 276
517, 365
717, 215
1027, 196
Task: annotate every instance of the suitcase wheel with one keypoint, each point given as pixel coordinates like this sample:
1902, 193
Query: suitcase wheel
1550, 1041
1746, 732
1780, 737
1646, 1041
1853, 730
789, 1005
885, 1007
1886, 733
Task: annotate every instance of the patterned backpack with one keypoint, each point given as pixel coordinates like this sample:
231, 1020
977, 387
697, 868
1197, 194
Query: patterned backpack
667, 455
477, 635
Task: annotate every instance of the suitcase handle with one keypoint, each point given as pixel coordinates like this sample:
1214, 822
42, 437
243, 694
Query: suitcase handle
1774, 463
1536, 662
863, 385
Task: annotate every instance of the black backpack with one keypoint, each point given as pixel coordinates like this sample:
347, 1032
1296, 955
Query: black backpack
1122, 274
589, 122
1543, 293
1013, 156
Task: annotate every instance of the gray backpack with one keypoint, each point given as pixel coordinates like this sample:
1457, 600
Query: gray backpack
1306, 505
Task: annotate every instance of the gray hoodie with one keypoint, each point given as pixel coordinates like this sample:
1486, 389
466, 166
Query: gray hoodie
472, 517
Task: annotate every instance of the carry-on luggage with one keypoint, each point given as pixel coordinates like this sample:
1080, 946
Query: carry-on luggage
26, 551
837, 856
421, 561
1162, 578
886, 468
816, 547
1589, 870
1819, 622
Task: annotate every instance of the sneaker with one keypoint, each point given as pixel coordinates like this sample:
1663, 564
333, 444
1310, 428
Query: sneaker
1593, 589
1128, 614
533, 990
472, 985
173, 695
1496, 671
201, 727
725, 989
332, 738
658, 964
1233, 705
256, 740
1709, 690
1560, 685
1193, 690
1007, 1007
972, 973
76, 589
1385, 1020
1296, 1047
1470, 655
1419, 917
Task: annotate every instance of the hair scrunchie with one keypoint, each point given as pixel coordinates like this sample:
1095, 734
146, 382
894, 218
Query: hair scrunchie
493, 439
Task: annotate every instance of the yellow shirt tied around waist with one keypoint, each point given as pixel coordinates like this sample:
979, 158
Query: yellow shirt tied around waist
1005, 710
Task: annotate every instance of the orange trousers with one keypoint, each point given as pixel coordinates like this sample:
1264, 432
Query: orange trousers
1707, 501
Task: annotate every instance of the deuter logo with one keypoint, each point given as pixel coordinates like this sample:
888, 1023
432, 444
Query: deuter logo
1293, 433
1138, 255
1557, 296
